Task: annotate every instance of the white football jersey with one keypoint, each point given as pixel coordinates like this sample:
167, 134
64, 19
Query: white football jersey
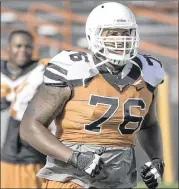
18, 92
69, 66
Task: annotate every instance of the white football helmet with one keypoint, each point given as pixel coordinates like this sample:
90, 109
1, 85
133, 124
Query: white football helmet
116, 48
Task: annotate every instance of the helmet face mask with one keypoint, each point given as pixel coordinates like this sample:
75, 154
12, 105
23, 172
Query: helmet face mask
115, 35
118, 44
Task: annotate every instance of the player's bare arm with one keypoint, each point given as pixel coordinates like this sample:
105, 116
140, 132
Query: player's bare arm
151, 141
44, 107
149, 136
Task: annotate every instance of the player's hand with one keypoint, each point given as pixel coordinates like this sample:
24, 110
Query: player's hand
152, 172
89, 162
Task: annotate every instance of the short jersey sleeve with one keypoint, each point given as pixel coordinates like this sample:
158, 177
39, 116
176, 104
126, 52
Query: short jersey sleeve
56, 71
67, 68
152, 69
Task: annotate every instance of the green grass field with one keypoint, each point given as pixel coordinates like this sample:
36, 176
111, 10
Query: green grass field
141, 185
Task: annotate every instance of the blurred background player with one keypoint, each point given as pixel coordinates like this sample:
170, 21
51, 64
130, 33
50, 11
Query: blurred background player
101, 102
20, 78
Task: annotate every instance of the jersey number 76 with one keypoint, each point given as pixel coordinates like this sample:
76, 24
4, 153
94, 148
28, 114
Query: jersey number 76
113, 104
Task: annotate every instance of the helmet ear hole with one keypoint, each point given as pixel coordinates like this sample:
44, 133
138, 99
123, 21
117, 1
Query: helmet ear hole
102, 6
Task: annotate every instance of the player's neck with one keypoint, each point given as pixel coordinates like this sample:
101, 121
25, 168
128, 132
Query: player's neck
13, 68
114, 69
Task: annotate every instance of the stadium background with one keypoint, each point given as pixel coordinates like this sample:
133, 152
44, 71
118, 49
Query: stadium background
59, 25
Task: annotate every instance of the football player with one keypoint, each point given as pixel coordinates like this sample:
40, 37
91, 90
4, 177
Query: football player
100, 101
20, 78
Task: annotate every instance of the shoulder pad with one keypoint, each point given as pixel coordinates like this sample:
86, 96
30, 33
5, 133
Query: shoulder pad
35, 77
152, 69
69, 66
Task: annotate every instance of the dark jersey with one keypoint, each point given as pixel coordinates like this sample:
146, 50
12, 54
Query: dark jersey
105, 109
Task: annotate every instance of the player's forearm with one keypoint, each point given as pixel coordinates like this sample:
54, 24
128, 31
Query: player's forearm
151, 141
43, 140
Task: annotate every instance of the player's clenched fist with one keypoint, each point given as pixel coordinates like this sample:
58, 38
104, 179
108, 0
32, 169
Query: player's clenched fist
152, 172
89, 162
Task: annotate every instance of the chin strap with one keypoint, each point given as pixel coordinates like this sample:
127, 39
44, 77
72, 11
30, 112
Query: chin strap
100, 64
104, 62
93, 67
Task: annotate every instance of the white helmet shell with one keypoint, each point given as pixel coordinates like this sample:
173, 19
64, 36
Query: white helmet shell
112, 15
